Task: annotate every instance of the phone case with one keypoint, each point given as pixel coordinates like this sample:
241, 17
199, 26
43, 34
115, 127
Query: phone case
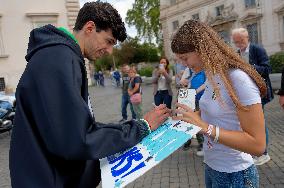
187, 96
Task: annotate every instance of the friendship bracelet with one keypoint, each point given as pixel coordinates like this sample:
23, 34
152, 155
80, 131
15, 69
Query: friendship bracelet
148, 125
217, 134
208, 134
209, 129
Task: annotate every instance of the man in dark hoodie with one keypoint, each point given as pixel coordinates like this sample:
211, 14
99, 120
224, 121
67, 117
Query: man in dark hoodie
56, 141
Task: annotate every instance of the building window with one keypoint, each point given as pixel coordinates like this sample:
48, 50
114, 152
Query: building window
250, 3
40, 24
253, 33
283, 26
225, 36
280, 11
173, 2
175, 25
41, 19
2, 84
2, 50
195, 16
219, 10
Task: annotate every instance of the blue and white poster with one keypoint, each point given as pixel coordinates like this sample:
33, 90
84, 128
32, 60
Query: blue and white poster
122, 168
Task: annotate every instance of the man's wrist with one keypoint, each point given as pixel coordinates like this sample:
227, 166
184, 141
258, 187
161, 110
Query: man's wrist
145, 122
143, 127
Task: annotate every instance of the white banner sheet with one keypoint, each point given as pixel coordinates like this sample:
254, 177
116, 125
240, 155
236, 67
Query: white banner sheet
122, 168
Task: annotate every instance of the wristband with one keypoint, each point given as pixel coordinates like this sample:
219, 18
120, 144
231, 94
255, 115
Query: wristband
147, 124
217, 134
209, 130
208, 133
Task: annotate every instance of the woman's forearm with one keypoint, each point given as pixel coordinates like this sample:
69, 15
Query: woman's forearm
201, 88
241, 141
251, 137
167, 76
136, 88
155, 77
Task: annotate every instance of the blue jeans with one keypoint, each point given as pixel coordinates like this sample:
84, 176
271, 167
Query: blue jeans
247, 178
124, 102
163, 97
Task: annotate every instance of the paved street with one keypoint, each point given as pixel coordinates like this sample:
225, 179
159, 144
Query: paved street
182, 168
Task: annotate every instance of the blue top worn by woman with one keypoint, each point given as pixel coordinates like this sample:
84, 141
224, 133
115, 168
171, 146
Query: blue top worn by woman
195, 81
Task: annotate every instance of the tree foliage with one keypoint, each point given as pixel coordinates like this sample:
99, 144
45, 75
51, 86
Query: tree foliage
130, 51
277, 62
145, 17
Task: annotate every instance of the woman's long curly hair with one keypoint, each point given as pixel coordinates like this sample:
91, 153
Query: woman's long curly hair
217, 56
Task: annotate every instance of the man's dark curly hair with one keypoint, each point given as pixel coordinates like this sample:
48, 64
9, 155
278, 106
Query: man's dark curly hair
104, 16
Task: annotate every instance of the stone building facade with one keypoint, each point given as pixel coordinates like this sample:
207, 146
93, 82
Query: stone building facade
264, 19
16, 22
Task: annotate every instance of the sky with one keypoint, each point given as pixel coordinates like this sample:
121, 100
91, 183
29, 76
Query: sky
121, 6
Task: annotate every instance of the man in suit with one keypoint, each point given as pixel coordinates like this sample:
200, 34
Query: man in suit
257, 57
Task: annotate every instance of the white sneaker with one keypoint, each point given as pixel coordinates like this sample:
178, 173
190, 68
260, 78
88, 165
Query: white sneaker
200, 153
194, 136
261, 160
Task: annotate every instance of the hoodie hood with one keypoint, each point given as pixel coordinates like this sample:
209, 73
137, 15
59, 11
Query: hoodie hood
50, 36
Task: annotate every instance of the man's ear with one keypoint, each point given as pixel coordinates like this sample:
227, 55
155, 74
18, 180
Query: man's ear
90, 27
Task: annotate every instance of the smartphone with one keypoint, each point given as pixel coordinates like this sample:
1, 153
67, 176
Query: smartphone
187, 96
161, 66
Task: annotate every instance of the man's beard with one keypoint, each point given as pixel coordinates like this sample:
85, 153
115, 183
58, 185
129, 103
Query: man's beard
91, 58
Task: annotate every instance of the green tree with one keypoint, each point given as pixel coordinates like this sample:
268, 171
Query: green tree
151, 52
127, 50
145, 17
104, 63
277, 62
130, 51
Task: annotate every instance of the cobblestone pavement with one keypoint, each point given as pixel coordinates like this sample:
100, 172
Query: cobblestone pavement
182, 168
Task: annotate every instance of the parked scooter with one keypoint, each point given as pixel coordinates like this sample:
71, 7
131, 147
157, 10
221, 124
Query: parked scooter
7, 112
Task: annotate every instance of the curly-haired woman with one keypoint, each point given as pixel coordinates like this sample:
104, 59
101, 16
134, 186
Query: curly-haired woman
230, 113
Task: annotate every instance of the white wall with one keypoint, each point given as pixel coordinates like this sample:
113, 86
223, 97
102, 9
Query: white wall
15, 26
